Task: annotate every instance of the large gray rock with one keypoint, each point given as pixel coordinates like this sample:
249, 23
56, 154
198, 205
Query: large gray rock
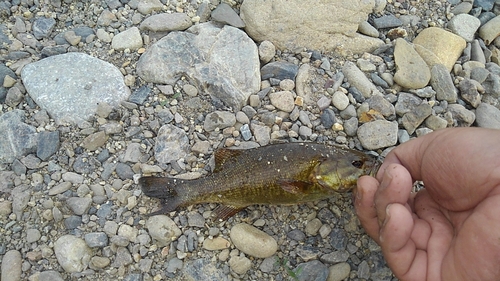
224, 62
70, 86
327, 25
17, 138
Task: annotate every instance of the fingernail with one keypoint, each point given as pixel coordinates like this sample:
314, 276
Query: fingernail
386, 180
387, 215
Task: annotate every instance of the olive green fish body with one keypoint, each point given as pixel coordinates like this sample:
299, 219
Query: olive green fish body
276, 174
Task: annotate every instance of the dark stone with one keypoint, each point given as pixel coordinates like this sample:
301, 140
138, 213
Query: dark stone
296, 235
486, 17
140, 95
47, 145
54, 50
388, 21
279, 70
86, 164
312, 271
104, 211
18, 167
17, 138
338, 239
358, 96
378, 81
203, 269
96, 239
17, 55
124, 171
72, 222
328, 118
486, 5
42, 27
103, 155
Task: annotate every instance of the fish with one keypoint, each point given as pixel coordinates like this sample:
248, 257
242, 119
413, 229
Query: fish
277, 174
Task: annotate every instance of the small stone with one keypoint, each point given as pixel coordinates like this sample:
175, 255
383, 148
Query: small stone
240, 265
378, 134
148, 6
412, 71
42, 27
442, 83
488, 116
96, 239
266, 51
196, 219
351, 126
324, 102
215, 244
72, 38
339, 272
283, 100
464, 25
463, 116
60, 188
219, 119
469, 92
225, 14
78, 205
381, 105
261, 133
328, 118
313, 270
94, 141
129, 39
246, 134
414, 118
387, 21
490, 30
406, 103
434, 122
287, 85
33, 235
166, 22
279, 70
492, 85
358, 79
367, 29
99, 262
340, 100
462, 8
162, 229
253, 241
11, 266
313, 226
172, 143
49, 275
47, 144
72, 253
140, 95
190, 90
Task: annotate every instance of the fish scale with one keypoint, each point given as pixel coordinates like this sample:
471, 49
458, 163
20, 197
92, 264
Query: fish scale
288, 173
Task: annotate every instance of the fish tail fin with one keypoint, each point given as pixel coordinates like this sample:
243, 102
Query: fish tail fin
165, 189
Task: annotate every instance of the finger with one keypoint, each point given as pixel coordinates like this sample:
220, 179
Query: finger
395, 187
406, 261
365, 206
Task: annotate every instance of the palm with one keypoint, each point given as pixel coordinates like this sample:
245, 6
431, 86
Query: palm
451, 229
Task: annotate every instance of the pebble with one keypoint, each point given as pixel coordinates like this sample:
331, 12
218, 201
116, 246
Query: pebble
358, 79
266, 51
11, 266
72, 253
442, 83
387, 21
465, 26
469, 92
340, 100
166, 22
328, 118
283, 100
279, 70
488, 116
367, 29
339, 272
413, 119
217, 243
369, 134
17, 138
172, 143
96, 239
490, 30
463, 116
312, 270
225, 14
162, 229
253, 241
48, 275
239, 264
412, 71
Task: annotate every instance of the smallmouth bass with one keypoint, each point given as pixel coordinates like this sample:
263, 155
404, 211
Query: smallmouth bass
289, 173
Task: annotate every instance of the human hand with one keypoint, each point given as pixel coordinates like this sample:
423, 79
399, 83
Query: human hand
450, 230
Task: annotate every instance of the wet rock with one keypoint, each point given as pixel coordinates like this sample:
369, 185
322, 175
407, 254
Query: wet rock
171, 144
201, 53
225, 14
166, 22
378, 134
488, 116
72, 253
412, 71
288, 25
162, 229
70, 86
253, 241
442, 83
17, 138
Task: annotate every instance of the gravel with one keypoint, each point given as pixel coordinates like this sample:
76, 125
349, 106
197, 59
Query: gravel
87, 107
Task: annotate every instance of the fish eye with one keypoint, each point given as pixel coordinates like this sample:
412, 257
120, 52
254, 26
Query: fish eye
358, 164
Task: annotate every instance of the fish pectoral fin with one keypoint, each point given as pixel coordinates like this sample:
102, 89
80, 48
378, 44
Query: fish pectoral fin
294, 186
223, 212
222, 155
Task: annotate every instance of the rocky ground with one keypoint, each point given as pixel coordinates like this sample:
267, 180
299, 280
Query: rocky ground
97, 93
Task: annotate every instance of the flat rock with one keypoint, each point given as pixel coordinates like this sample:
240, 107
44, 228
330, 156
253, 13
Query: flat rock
490, 30
72, 253
70, 86
171, 144
223, 62
464, 117
442, 45
464, 25
289, 25
129, 39
252, 241
47, 144
162, 229
279, 70
488, 116
412, 71
283, 100
378, 134
11, 266
442, 83
166, 22
469, 92
17, 138
219, 119
414, 118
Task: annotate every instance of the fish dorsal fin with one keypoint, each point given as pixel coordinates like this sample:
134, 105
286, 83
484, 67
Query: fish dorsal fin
223, 212
294, 186
222, 155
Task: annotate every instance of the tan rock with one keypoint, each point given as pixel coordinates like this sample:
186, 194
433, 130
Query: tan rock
490, 30
412, 71
446, 46
94, 141
288, 24
252, 241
